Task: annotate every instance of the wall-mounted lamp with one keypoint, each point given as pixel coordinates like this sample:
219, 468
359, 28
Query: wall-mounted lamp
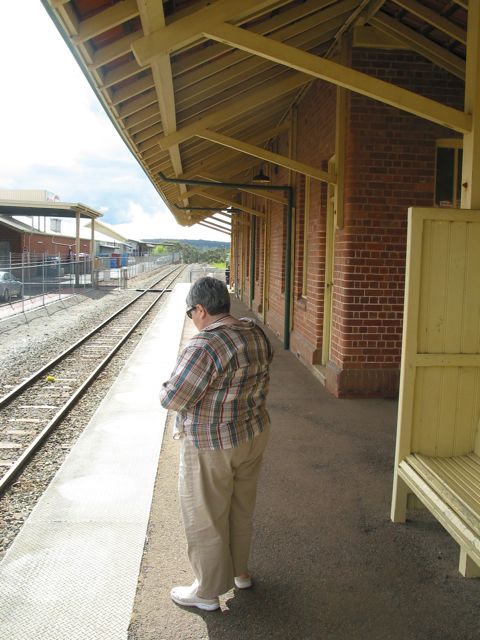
261, 177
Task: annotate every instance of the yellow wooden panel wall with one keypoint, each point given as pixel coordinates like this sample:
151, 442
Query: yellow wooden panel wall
446, 399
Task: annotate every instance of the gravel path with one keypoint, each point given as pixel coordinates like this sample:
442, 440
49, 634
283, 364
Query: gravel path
22, 350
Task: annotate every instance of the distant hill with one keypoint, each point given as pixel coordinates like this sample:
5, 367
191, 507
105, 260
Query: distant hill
199, 244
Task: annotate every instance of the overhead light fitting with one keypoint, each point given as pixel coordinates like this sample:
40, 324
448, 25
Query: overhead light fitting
261, 178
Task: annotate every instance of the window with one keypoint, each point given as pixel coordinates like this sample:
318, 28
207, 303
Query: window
448, 173
55, 224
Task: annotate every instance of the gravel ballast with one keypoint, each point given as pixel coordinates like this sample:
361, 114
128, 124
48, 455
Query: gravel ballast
26, 347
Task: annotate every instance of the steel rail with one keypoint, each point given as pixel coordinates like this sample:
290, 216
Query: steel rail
4, 400
27, 454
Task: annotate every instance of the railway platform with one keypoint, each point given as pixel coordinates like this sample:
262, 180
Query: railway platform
98, 556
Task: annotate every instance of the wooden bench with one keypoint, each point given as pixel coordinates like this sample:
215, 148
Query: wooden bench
450, 489
438, 434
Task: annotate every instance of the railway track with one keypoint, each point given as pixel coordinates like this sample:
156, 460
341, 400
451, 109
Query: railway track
32, 410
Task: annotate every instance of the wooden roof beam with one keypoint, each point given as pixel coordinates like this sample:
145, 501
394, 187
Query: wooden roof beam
264, 193
297, 32
132, 89
120, 73
251, 100
249, 66
188, 30
342, 76
225, 201
153, 18
135, 104
212, 226
199, 59
107, 19
135, 122
220, 221
268, 156
205, 154
114, 50
425, 47
234, 94
145, 124
434, 19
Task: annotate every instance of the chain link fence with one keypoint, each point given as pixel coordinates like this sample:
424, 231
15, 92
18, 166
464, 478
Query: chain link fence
45, 278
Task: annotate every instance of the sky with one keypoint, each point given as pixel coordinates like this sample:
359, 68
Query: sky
56, 136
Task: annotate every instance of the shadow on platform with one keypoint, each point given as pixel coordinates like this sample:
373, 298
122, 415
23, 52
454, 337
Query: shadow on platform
328, 562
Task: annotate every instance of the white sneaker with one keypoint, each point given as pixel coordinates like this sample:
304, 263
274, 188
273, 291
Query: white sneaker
243, 583
187, 596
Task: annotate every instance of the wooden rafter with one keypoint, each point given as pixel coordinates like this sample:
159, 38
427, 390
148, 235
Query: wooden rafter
202, 66
153, 18
120, 73
136, 105
114, 50
189, 29
434, 19
425, 47
264, 154
342, 76
252, 100
133, 89
108, 18
212, 226
206, 154
225, 201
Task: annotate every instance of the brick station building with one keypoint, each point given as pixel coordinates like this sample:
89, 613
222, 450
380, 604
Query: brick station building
390, 165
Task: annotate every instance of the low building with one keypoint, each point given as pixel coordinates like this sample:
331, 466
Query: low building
36, 222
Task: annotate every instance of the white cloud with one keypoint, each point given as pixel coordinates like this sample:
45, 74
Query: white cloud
51, 113
160, 224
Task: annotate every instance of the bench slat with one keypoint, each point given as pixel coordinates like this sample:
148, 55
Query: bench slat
463, 471
460, 478
455, 480
434, 500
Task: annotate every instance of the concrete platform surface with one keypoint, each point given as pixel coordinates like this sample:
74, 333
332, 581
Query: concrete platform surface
328, 562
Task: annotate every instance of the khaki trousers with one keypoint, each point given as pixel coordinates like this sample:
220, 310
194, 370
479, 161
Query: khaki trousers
217, 492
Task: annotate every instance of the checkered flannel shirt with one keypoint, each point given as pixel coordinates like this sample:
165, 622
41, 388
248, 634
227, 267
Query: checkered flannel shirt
219, 385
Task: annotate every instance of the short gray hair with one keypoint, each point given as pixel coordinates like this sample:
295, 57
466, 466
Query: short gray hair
211, 294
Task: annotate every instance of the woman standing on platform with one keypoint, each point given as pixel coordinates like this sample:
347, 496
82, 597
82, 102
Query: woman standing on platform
218, 389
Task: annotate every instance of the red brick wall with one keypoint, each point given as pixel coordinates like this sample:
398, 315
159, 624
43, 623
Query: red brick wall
276, 297
390, 161
40, 243
315, 145
50, 244
14, 238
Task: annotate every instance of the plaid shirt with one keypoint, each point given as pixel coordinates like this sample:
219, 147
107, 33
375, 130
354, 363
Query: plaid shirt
219, 385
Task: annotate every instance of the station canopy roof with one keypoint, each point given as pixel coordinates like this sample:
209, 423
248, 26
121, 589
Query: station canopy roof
46, 209
198, 89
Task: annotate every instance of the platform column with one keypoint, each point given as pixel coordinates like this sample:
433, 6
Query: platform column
471, 140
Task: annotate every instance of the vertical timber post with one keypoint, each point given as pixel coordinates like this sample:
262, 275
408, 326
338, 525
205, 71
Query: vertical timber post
471, 140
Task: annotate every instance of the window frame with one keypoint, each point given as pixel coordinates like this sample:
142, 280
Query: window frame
457, 145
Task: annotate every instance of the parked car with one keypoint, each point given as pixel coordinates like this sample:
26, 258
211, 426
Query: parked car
10, 286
